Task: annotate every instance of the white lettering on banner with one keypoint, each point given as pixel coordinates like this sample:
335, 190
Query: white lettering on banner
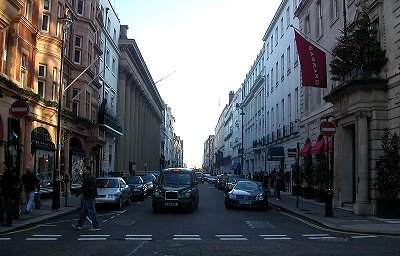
314, 65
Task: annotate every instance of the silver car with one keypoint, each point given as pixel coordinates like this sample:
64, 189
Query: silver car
112, 190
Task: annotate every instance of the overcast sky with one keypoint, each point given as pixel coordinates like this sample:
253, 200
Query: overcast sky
211, 44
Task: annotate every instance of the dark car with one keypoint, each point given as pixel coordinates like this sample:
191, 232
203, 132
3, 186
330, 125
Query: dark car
219, 182
200, 177
137, 186
149, 179
230, 181
246, 194
176, 188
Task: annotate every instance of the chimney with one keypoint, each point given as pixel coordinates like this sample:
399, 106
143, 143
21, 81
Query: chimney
124, 32
231, 94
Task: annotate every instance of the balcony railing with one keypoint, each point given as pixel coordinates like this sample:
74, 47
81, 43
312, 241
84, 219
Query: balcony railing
294, 127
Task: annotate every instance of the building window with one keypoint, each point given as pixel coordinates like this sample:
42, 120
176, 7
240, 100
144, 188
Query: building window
45, 23
288, 64
108, 58
268, 84
319, 20
115, 35
295, 55
42, 70
46, 5
112, 103
287, 17
54, 84
78, 50
375, 26
268, 50
24, 61
282, 67
80, 9
307, 25
282, 30
113, 66
28, 10
87, 105
75, 101
334, 9
276, 36
108, 25
41, 86
294, 6
276, 74
272, 80
272, 43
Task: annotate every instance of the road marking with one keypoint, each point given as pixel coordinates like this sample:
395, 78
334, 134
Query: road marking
357, 237
275, 237
186, 237
43, 237
5, 238
93, 237
231, 237
139, 237
312, 235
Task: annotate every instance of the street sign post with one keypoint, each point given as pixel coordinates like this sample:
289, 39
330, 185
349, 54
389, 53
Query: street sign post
19, 109
328, 129
292, 152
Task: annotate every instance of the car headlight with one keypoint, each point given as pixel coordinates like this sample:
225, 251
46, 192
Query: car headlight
260, 197
186, 194
157, 193
232, 196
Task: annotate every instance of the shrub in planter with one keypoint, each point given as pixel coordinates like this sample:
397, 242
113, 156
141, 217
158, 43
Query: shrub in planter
309, 177
388, 177
321, 178
297, 178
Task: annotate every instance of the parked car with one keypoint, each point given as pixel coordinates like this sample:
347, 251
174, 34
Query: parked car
112, 190
149, 179
219, 183
229, 182
200, 177
176, 188
246, 194
137, 187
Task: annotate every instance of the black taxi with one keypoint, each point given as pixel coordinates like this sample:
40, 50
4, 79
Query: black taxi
176, 188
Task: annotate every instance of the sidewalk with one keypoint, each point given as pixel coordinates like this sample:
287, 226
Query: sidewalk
45, 212
343, 220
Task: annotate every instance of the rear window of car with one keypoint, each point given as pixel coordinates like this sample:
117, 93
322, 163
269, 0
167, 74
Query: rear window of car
134, 180
176, 178
107, 183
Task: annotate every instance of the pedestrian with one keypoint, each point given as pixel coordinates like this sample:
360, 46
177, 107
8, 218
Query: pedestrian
265, 183
89, 192
7, 184
279, 184
31, 184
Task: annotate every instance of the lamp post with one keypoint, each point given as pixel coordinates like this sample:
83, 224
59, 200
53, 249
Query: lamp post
66, 22
242, 144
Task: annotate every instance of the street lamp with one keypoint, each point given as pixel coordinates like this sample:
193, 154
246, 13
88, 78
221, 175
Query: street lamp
238, 106
66, 22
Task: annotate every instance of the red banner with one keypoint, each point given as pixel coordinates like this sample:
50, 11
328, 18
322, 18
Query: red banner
312, 62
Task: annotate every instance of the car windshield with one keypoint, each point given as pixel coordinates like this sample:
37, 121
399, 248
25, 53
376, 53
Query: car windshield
247, 186
176, 178
107, 183
233, 178
148, 178
134, 180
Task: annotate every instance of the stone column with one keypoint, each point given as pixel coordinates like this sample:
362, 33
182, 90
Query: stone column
363, 204
119, 155
127, 127
132, 122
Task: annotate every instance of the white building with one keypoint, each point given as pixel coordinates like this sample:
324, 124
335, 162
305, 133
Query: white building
108, 118
168, 138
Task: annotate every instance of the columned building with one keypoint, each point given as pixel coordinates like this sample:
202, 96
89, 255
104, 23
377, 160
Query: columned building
141, 109
208, 153
168, 140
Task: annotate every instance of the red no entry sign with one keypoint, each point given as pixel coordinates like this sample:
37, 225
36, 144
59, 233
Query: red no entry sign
328, 129
19, 109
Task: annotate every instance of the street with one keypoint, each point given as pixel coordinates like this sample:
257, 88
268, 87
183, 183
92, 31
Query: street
209, 230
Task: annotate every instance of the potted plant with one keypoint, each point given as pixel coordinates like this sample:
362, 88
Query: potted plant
388, 177
309, 178
321, 178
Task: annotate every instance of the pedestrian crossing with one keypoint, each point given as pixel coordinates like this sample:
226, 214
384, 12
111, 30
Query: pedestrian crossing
193, 237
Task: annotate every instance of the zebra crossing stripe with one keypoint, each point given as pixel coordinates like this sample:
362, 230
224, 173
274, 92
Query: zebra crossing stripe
186, 237
231, 237
5, 238
275, 237
93, 237
43, 238
139, 237
356, 237
319, 236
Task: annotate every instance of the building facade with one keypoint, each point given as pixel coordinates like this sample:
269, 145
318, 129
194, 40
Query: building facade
141, 107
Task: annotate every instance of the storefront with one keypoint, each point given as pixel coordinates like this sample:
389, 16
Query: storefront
77, 159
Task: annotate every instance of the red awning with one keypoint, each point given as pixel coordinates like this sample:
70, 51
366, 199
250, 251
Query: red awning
306, 150
318, 147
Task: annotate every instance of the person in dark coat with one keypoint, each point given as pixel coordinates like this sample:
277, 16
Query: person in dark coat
31, 184
7, 184
89, 192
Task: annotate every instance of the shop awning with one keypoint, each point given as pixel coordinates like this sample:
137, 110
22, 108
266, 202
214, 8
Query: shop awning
319, 146
306, 150
235, 166
275, 153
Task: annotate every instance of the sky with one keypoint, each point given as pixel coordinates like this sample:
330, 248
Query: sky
206, 47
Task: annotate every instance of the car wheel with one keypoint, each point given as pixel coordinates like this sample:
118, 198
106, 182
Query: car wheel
120, 204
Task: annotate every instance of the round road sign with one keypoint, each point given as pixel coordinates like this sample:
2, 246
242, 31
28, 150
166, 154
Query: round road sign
19, 109
328, 129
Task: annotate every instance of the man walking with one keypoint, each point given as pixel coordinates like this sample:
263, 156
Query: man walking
31, 183
89, 192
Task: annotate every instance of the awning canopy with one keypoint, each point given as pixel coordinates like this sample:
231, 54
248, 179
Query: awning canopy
319, 146
275, 153
235, 166
306, 150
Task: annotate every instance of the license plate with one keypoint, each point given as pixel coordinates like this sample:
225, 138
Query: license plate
171, 204
244, 202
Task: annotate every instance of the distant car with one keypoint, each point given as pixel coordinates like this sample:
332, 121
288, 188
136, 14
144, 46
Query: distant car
149, 179
200, 177
219, 183
112, 190
246, 194
137, 186
176, 188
